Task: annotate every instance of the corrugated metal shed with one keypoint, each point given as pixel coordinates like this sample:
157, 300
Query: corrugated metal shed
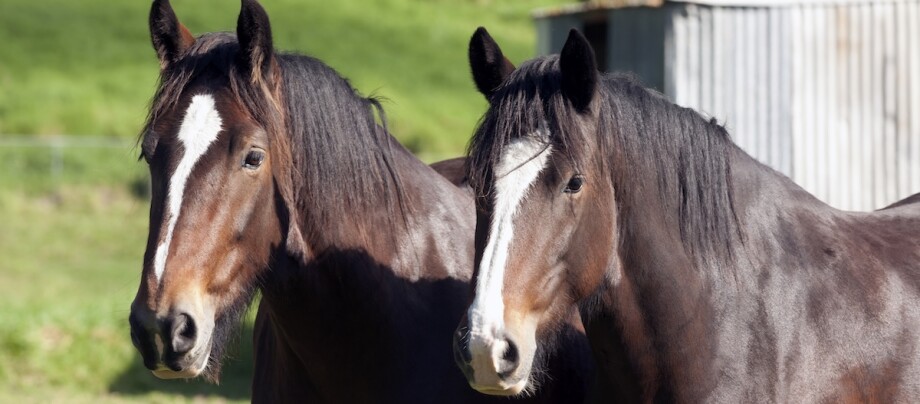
825, 91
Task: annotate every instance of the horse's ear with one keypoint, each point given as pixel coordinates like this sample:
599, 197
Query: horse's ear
489, 65
170, 38
579, 70
254, 33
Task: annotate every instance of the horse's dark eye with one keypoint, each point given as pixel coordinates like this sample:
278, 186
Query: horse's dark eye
574, 184
254, 158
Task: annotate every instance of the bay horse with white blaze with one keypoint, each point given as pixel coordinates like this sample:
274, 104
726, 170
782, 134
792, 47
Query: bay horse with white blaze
269, 172
702, 275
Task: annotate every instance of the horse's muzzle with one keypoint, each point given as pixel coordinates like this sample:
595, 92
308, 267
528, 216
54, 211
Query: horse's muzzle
499, 376
167, 344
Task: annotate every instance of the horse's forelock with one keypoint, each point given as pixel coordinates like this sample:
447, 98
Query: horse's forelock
637, 130
530, 101
215, 54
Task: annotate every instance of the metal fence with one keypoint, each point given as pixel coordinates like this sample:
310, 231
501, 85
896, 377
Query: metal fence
49, 165
55, 147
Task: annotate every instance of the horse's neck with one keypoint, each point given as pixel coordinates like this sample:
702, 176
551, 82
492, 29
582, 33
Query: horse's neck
669, 299
368, 303
421, 228
675, 309
660, 307
439, 222
346, 314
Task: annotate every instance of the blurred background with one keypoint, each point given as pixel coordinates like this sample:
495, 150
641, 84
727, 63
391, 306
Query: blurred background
75, 81
825, 91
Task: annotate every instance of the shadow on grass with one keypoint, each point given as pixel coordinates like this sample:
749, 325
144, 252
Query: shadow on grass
234, 381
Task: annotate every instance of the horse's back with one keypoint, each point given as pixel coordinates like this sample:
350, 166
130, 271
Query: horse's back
455, 172
866, 324
911, 201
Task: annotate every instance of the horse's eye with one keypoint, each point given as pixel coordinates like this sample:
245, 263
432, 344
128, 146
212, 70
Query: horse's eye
254, 159
574, 184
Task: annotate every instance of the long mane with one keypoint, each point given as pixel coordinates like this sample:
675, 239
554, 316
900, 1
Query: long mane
340, 153
641, 137
341, 158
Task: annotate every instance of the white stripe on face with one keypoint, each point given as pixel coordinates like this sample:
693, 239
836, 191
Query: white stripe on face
199, 128
518, 168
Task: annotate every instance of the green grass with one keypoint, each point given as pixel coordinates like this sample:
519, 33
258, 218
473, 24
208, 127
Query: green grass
71, 244
71, 265
70, 254
86, 67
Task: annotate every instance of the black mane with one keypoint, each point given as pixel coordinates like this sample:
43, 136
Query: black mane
642, 137
338, 151
343, 155
340, 158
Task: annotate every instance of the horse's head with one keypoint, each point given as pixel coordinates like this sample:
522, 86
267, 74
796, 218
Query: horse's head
218, 207
543, 200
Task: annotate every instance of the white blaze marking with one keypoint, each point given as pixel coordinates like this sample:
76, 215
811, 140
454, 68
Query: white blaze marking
518, 168
199, 129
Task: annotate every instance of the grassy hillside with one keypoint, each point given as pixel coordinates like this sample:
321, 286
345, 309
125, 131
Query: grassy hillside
86, 67
71, 244
69, 271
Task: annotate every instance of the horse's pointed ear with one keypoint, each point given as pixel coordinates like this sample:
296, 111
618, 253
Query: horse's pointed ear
489, 65
254, 33
579, 70
170, 38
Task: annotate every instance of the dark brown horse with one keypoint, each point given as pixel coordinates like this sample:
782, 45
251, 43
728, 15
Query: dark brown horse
703, 275
269, 172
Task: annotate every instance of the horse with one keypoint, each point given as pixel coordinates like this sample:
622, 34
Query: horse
271, 174
702, 275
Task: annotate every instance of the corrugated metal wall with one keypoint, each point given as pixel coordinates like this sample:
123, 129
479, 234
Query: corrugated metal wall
828, 94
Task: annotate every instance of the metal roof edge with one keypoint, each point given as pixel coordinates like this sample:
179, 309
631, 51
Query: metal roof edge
779, 3
588, 6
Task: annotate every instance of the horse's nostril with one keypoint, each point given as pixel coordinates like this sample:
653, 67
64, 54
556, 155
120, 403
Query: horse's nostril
183, 333
511, 352
509, 361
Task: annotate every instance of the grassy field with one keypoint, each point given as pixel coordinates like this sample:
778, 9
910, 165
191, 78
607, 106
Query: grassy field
87, 67
71, 245
71, 249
